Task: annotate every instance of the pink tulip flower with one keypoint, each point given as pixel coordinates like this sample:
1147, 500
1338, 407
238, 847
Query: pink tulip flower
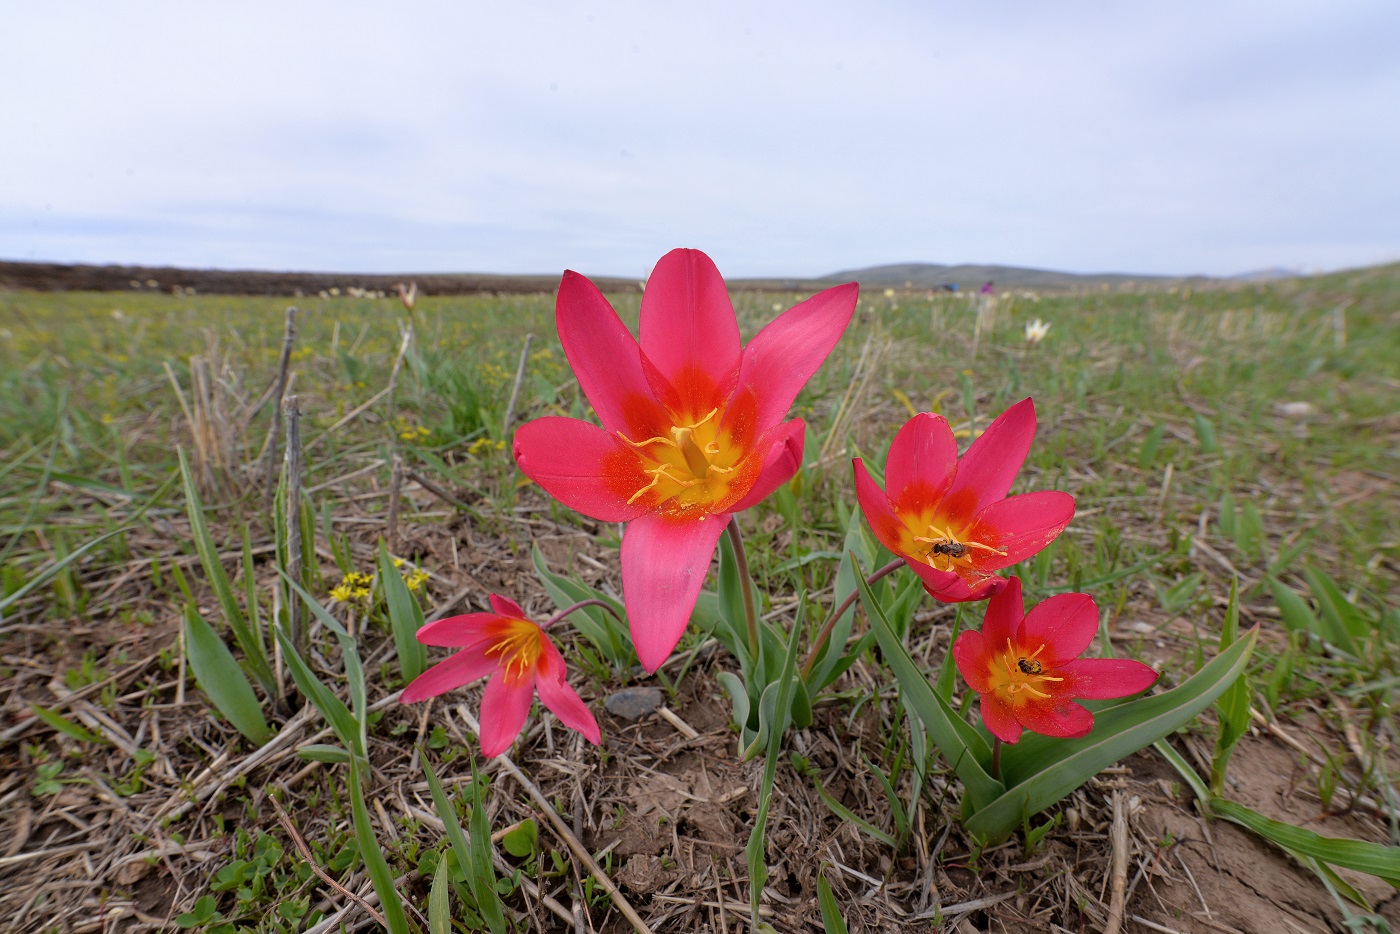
692, 426
951, 519
1027, 669
520, 659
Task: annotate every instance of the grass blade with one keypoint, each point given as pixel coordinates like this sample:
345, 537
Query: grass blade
831, 912
405, 618
375, 864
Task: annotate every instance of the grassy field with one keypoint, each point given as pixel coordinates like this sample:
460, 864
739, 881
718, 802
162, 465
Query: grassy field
1246, 434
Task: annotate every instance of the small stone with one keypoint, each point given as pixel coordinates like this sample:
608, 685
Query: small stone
632, 703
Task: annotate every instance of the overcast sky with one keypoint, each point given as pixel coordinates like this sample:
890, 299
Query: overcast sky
783, 139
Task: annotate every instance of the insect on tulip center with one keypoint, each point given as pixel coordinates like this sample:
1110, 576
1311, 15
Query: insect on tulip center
947, 552
690, 468
1015, 670
517, 645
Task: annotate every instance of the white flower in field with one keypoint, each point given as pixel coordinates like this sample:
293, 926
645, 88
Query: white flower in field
1036, 331
889, 293
118, 314
1295, 409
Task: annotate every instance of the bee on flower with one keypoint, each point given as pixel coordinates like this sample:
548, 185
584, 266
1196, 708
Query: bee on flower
1036, 331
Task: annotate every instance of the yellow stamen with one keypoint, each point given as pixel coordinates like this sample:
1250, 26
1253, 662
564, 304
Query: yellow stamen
519, 647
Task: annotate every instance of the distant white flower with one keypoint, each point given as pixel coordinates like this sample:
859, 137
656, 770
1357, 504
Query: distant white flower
889, 293
1295, 409
1036, 331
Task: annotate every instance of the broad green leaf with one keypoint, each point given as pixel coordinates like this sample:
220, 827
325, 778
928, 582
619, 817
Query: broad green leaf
221, 678
253, 649
1205, 436
439, 911
1296, 613
825, 671
50, 571
1040, 770
831, 912
405, 617
349, 656
1337, 610
1232, 708
521, 841
342, 722
447, 814
1375, 858
961, 745
379, 874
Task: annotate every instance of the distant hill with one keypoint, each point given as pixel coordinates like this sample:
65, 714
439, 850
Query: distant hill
968, 276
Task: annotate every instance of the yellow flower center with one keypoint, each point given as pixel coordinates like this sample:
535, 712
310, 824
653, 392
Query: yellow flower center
1014, 671
691, 468
947, 551
517, 648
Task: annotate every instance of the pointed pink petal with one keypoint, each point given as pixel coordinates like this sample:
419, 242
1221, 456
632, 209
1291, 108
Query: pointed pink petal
456, 670
1102, 678
551, 680
888, 529
1004, 612
784, 443
505, 606
1065, 624
664, 562
922, 463
1000, 719
781, 358
948, 587
973, 661
582, 466
688, 329
503, 712
1020, 526
456, 630
989, 467
605, 358
1055, 716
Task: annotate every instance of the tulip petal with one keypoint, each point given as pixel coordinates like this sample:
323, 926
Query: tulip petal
922, 463
1003, 617
784, 457
505, 606
1021, 526
1056, 715
1000, 719
606, 359
664, 563
504, 708
1065, 624
973, 660
456, 631
989, 467
688, 329
948, 587
781, 358
551, 680
452, 672
1103, 678
888, 528
582, 466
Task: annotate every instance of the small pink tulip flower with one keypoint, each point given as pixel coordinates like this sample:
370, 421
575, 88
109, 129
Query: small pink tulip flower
520, 659
692, 426
1027, 669
951, 519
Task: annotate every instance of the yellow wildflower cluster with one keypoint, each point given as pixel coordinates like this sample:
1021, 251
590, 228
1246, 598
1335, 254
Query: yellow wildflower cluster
413, 577
411, 432
353, 588
483, 446
493, 374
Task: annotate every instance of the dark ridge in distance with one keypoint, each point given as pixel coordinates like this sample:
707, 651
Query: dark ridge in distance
61, 277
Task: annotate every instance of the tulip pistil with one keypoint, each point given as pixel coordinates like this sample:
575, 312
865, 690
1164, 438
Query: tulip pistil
684, 460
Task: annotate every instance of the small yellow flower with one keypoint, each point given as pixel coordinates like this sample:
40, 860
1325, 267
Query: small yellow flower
353, 588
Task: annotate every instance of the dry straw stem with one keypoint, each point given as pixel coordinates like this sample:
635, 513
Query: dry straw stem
299, 634
1117, 892
305, 852
562, 829
515, 387
289, 334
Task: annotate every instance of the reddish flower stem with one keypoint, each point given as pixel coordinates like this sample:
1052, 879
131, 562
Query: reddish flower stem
578, 606
745, 582
996, 757
830, 623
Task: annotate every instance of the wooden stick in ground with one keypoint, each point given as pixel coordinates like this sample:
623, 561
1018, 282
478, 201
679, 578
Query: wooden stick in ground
562, 829
1119, 837
515, 389
289, 335
391, 524
293, 461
